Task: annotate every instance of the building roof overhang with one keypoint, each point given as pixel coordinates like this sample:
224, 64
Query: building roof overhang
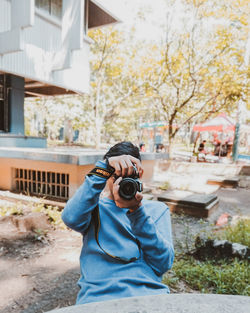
99, 16
35, 88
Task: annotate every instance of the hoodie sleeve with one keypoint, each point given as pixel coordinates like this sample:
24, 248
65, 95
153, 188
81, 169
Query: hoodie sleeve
155, 237
77, 212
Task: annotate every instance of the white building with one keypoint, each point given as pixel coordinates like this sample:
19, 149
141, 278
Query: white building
44, 50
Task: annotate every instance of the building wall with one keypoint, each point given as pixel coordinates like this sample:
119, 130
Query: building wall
76, 172
5, 10
37, 46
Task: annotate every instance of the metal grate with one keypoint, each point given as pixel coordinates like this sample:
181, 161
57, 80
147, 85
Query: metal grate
44, 183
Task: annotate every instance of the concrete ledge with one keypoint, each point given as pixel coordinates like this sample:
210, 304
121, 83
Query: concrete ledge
63, 155
173, 303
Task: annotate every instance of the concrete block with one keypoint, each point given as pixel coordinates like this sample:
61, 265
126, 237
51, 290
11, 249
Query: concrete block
198, 205
244, 182
230, 182
245, 170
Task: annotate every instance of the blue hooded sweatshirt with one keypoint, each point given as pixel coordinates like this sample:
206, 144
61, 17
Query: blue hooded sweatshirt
144, 234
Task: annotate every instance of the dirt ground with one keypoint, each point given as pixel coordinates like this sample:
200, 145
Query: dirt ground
39, 273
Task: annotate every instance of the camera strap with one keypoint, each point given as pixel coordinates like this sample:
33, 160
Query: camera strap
101, 172
97, 224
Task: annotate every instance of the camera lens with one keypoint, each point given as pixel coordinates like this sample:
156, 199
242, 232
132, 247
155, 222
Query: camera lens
128, 188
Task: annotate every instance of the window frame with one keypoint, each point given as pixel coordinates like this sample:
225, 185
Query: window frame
47, 15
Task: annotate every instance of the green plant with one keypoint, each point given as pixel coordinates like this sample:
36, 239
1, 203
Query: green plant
170, 279
11, 209
53, 213
239, 233
165, 186
40, 234
220, 277
184, 241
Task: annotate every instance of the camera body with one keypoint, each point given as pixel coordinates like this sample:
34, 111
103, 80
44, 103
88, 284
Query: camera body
130, 185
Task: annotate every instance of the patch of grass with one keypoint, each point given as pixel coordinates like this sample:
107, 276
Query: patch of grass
239, 233
52, 212
225, 276
222, 277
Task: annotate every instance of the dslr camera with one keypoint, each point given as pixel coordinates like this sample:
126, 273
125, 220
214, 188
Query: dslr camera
130, 185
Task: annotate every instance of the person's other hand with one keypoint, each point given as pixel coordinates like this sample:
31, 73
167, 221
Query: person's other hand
123, 165
132, 204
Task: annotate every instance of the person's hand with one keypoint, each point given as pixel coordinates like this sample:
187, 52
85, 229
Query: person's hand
123, 165
132, 204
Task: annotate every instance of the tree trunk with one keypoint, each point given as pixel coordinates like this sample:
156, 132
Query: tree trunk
195, 142
170, 141
98, 124
98, 133
170, 150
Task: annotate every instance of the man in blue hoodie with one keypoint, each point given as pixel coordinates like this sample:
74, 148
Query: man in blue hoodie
127, 244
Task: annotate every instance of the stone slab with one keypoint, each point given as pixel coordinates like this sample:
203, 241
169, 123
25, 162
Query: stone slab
173, 303
198, 205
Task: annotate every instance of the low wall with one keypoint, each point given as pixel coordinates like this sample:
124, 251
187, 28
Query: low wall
74, 164
173, 303
8, 165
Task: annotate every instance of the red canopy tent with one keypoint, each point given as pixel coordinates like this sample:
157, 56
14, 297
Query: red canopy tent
220, 123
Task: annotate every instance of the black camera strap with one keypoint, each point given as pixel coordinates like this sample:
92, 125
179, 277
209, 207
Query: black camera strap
102, 172
97, 224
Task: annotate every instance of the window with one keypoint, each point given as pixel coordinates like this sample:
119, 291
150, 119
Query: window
42, 183
86, 16
52, 7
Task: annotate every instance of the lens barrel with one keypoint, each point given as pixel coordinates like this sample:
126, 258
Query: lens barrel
128, 188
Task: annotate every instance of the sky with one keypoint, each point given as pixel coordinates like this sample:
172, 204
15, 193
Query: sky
126, 11
155, 16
